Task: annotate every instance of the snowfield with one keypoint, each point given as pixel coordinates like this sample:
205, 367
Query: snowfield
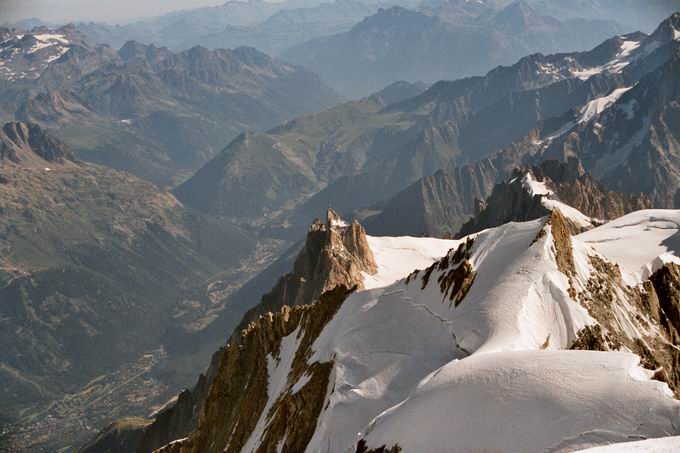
637, 241
398, 257
528, 401
661, 445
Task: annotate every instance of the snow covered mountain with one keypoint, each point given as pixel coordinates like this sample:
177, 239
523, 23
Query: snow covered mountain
520, 337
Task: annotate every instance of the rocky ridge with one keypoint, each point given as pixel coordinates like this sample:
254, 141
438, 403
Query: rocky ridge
566, 182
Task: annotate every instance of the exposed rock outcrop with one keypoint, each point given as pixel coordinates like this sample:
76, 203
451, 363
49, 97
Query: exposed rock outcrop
22, 142
238, 402
335, 253
650, 309
512, 201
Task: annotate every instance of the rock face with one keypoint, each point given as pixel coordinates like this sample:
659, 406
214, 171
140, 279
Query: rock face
243, 383
21, 142
514, 201
335, 253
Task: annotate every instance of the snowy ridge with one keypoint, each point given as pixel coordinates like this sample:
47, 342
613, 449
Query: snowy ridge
474, 372
638, 242
548, 200
661, 445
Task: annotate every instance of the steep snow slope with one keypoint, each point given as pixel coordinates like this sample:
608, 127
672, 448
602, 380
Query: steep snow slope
472, 353
639, 242
397, 257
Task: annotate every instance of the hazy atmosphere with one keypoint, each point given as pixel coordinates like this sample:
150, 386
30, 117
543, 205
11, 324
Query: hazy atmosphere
340, 226
110, 11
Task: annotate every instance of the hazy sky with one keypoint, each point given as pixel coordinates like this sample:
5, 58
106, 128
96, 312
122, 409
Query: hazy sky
112, 11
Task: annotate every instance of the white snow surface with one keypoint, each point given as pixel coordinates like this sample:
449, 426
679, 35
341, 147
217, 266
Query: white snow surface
396, 257
593, 108
659, 445
535, 187
527, 402
51, 37
637, 241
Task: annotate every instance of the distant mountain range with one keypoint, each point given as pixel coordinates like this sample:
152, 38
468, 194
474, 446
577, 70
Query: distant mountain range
270, 27
147, 110
447, 42
360, 154
361, 46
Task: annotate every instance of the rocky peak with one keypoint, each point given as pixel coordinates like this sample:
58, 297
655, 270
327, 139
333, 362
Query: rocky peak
517, 16
565, 182
335, 253
134, 49
21, 140
668, 30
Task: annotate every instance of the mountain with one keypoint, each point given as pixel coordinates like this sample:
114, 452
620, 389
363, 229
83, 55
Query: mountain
397, 43
643, 16
102, 279
171, 28
439, 204
434, 344
146, 110
536, 191
268, 26
287, 27
361, 154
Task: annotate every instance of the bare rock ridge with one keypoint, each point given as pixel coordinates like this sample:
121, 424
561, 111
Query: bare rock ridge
510, 201
21, 141
237, 406
334, 255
